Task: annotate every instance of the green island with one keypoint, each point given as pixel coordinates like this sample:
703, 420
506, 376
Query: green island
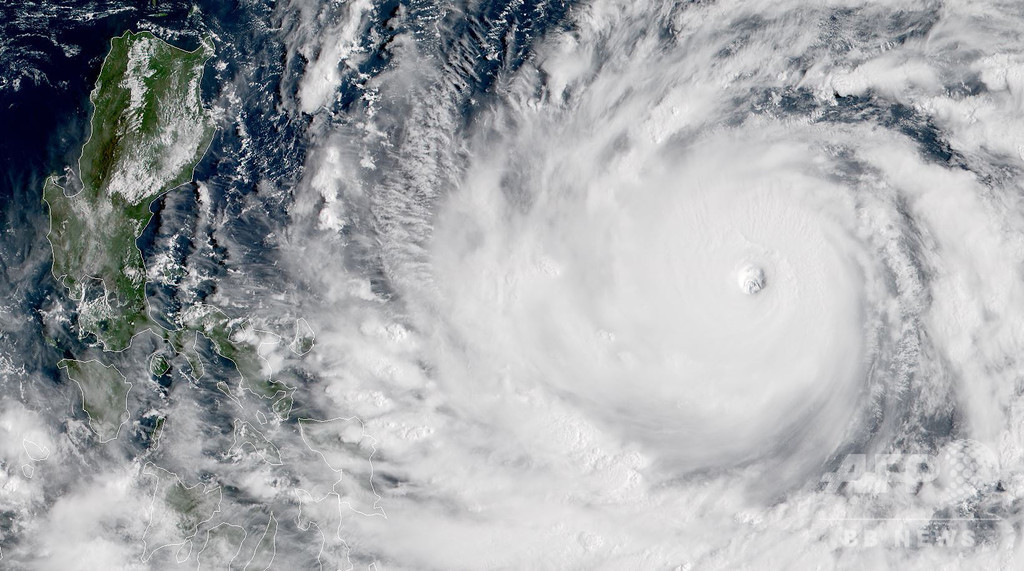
304, 338
104, 395
159, 365
149, 131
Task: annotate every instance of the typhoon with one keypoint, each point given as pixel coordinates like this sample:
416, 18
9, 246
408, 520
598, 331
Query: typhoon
600, 284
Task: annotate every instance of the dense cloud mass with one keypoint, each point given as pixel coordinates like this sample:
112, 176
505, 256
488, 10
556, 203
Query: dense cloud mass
602, 388
594, 285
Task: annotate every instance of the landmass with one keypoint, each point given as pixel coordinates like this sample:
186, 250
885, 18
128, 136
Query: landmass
239, 342
149, 131
304, 338
177, 511
104, 395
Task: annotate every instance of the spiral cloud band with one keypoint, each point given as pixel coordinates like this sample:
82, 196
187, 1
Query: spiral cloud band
686, 263
521, 284
623, 292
